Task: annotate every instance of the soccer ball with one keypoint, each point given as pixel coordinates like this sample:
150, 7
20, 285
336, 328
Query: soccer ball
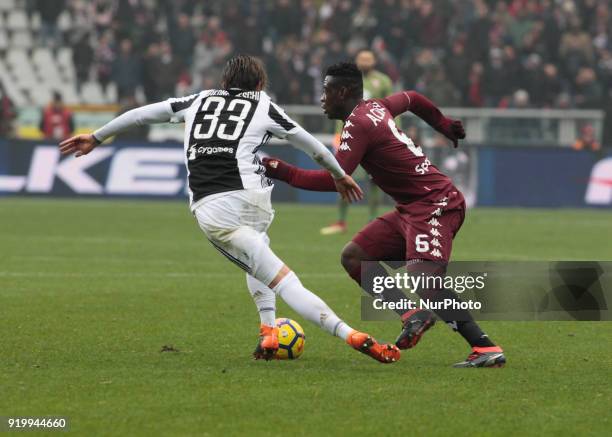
291, 339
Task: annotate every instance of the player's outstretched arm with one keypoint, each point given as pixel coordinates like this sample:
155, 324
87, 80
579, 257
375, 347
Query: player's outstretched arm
312, 180
334, 178
341, 182
427, 111
83, 144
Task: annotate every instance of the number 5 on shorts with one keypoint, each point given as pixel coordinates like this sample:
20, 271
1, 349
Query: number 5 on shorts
422, 245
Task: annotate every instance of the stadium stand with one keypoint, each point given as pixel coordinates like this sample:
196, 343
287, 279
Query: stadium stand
556, 53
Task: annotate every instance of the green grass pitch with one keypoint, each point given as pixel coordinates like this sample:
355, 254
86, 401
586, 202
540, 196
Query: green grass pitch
90, 291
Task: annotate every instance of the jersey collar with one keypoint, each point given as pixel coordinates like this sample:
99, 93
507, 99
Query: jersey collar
353, 110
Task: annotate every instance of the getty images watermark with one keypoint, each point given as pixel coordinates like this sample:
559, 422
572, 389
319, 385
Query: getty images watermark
410, 283
560, 290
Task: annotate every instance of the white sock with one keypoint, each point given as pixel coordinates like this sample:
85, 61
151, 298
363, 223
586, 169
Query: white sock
265, 300
310, 306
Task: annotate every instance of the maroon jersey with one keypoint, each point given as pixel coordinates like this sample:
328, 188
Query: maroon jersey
429, 210
371, 139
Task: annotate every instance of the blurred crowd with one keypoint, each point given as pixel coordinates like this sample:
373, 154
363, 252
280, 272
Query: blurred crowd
475, 53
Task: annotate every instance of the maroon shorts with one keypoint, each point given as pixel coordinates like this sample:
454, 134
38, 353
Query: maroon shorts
420, 230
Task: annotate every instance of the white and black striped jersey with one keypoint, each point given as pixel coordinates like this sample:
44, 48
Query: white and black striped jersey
223, 131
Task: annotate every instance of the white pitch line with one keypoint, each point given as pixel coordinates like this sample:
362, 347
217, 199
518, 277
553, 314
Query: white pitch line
72, 239
147, 275
113, 260
96, 240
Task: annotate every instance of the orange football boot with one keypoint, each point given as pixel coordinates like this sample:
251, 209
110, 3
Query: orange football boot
364, 343
334, 228
267, 346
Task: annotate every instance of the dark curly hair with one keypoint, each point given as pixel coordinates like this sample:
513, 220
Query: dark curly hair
244, 72
347, 74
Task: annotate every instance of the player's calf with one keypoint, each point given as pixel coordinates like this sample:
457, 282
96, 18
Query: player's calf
351, 258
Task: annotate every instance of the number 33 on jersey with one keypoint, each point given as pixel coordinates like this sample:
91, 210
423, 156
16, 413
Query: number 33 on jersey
224, 130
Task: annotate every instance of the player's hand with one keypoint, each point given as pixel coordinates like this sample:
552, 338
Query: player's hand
348, 189
453, 130
276, 169
79, 145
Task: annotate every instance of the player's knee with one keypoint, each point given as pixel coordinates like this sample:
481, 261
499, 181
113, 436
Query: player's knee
246, 238
351, 258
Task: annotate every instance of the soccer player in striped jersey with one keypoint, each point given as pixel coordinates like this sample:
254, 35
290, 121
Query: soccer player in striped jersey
229, 193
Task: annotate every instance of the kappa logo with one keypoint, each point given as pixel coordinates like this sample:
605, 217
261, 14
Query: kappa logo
436, 253
435, 242
434, 222
348, 124
344, 147
435, 232
437, 212
345, 134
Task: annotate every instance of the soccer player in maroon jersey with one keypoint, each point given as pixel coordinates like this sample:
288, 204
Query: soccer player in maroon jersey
429, 209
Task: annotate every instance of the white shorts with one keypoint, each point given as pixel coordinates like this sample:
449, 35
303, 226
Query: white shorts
236, 224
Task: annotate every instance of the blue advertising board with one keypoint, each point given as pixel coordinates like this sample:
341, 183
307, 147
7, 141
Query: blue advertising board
543, 177
506, 176
122, 169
